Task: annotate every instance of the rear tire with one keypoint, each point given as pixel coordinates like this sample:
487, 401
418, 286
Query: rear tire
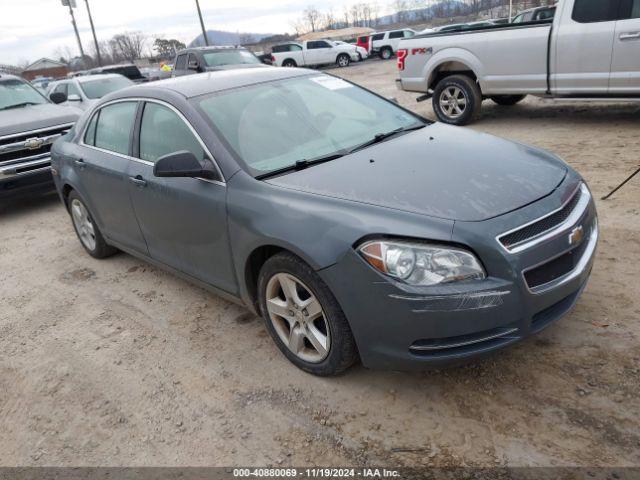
304, 318
86, 228
386, 53
507, 100
457, 100
289, 63
343, 60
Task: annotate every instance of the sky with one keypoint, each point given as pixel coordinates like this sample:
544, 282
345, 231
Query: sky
31, 29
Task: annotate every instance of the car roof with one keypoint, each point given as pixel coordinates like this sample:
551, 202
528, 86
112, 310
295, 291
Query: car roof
203, 83
91, 78
210, 47
8, 76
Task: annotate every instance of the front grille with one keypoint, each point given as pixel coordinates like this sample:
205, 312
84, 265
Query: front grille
543, 225
17, 147
556, 268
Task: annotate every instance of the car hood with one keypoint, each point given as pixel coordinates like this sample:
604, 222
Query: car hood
235, 66
35, 117
439, 171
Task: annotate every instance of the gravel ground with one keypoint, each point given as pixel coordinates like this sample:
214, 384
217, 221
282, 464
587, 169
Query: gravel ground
118, 363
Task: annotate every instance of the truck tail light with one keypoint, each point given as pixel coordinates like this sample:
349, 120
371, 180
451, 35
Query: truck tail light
273, 59
402, 55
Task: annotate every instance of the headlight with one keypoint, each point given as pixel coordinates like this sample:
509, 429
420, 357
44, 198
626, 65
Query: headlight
421, 264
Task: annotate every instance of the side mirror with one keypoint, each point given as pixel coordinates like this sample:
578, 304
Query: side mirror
74, 98
193, 65
182, 164
58, 97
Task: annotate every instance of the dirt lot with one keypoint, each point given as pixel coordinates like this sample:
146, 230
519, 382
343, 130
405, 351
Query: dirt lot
117, 363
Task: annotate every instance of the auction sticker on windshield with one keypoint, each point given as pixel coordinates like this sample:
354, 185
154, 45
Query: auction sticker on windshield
331, 83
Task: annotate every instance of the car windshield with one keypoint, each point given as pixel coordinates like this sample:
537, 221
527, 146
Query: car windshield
229, 57
99, 88
271, 126
16, 93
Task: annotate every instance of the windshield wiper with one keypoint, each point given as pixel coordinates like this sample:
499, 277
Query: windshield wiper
380, 137
302, 164
19, 105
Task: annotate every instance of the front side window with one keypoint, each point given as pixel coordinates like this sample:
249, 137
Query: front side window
273, 125
409, 33
60, 88
629, 9
90, 133
229, 57
113, 130
163, 132
181, 62
73, 90
295, 48
16, 93
591, 11
99, 88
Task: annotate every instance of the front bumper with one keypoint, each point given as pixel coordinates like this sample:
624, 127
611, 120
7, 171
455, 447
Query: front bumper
403, 328
27, 178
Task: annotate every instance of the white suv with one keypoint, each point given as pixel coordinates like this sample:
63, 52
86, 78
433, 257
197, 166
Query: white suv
385, 44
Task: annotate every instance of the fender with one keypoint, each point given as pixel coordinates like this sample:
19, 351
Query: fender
458, 55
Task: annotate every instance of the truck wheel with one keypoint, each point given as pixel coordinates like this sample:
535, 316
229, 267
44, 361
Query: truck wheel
386, 53
304, 318
457, 100
289, 63
88, 232
343, 60
507, 100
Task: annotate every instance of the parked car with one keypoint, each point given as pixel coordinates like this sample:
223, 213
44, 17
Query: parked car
129, 70
84, 92
364, 42
355, 227
29, 124
590, 51
312, 53
42, 83
362, 52
385, 44
210, 59
535, 14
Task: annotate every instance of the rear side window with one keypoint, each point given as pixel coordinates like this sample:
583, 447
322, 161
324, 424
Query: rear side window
181, 62
114, 127
163, 132
280, 48
399, 34
90, 134
591, 11
377, 36
629, 9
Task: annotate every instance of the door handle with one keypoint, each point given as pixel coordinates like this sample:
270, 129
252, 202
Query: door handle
630, 36
138, 181
80, 163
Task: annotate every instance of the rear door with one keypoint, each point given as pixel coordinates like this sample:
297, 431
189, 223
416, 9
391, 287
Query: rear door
583, 43
183, 220
625, 64
319, 52
102, 169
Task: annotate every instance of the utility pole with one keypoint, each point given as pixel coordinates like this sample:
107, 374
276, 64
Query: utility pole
72, 4
93, 30
204, 32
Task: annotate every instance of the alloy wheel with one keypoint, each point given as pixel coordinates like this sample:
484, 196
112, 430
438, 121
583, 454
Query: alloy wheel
453, 102
298, 318
343, 61
83, 224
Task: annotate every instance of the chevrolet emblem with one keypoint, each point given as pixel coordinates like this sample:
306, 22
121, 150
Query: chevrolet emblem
33, 143
576, 235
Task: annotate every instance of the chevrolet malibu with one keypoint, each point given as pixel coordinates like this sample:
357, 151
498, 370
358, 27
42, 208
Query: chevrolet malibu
356, 228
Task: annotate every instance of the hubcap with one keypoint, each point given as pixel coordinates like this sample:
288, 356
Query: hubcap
297, 317
453, 102
343, 61
83, 224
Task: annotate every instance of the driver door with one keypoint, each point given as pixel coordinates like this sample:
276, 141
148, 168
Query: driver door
183, 220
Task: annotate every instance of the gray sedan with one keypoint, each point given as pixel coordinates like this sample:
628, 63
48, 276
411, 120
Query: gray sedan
357, 229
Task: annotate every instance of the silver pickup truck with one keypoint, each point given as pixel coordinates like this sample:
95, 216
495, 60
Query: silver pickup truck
29, 124
589, 51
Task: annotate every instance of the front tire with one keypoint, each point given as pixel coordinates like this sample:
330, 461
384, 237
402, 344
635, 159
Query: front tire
304, 318
86, 228
457, 100
386, 53
507, 100
343, 60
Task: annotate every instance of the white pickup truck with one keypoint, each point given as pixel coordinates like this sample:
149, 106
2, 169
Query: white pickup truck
312, 53
590, 51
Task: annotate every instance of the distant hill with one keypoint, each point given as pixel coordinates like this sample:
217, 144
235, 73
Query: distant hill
220, 37
445, 8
